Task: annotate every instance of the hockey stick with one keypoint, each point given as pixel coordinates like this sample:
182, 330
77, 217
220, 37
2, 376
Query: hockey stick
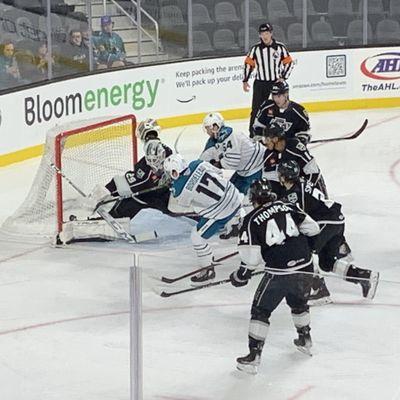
118, 198
211, 284
218, 260
337, 139
177, 140
115, 225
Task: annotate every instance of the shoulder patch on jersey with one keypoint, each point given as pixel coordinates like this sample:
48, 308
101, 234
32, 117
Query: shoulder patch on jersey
140, 173
292, 197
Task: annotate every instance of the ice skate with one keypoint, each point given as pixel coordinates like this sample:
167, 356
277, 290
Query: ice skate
203, 277
249, 363
370, 284
303, 343
319, 295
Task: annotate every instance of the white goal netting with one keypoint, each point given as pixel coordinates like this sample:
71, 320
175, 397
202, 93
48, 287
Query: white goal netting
88, 152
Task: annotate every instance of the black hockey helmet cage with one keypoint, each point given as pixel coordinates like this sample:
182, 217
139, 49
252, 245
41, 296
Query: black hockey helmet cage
280, 88
260, 192
289, 169
272, 131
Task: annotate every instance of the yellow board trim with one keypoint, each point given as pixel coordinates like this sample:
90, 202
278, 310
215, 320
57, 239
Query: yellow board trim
239, 113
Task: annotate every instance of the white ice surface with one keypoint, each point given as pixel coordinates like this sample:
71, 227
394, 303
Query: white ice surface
64, 323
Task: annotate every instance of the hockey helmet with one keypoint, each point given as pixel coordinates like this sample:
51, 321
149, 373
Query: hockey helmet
174, 165
289, 170
260, 192
212, 119
148, 129
273, 131
280, 88
155, 154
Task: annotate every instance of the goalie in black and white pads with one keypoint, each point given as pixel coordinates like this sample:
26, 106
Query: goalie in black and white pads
274, 234
145, 186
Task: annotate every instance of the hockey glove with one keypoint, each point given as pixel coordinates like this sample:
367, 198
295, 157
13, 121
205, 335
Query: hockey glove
216, 163
240, 277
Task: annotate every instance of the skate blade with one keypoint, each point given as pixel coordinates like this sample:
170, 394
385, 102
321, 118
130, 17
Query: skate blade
247, 368
304, 350
374, 286
320, 302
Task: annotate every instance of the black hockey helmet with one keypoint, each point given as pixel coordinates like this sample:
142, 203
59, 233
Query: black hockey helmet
280, 87
289, 169
272, 131
260, 192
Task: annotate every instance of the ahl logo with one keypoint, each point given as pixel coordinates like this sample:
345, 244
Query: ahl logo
384, 66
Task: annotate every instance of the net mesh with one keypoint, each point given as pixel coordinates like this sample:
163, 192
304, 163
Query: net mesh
92, 152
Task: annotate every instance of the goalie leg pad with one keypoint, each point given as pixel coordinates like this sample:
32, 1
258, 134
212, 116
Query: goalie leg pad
90, 229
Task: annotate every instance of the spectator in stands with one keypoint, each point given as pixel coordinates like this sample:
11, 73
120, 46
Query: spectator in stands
9, 72
76, 54
110, 46
42, 59
85, 31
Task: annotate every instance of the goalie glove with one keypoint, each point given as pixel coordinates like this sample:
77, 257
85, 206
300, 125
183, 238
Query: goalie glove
241, 276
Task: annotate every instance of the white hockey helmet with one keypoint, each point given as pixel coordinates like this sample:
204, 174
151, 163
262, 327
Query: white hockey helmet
211, 119
154, 153
148, 129
174, 165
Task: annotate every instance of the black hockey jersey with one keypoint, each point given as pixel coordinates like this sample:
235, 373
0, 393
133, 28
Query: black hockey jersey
296, 150
275, 233
313, 202
294, 119
142, 177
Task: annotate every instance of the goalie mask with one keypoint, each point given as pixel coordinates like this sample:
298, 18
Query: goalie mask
212, 124
155, 154
148, 130
174, 165
260, 192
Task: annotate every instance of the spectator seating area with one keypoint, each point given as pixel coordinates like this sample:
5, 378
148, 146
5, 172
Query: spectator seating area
218, 26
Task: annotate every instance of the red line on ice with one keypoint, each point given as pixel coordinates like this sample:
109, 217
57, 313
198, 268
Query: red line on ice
300, 393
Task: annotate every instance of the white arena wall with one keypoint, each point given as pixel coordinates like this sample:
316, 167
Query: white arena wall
180, 93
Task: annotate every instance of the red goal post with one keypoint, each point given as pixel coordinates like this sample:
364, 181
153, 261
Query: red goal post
88, 152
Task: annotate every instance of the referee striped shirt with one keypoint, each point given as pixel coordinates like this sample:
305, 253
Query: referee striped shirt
271, 62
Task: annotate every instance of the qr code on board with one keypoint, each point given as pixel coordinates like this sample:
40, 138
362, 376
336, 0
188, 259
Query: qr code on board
335, 66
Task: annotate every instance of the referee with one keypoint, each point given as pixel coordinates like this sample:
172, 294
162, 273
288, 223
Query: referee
272, 62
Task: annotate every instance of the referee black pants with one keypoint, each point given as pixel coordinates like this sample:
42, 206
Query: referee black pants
261, 92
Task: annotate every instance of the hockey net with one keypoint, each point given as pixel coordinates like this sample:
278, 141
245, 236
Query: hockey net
88, 152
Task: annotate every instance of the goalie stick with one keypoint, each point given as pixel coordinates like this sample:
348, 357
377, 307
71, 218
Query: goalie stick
211, 284
115, 225
337, 139
216, 262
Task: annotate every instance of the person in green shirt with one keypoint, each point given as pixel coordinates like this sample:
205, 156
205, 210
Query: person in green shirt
110, 46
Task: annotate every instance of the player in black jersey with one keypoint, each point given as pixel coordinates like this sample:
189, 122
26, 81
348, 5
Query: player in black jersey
147, 174
333, 251
282, 111
288, 148
274, 234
